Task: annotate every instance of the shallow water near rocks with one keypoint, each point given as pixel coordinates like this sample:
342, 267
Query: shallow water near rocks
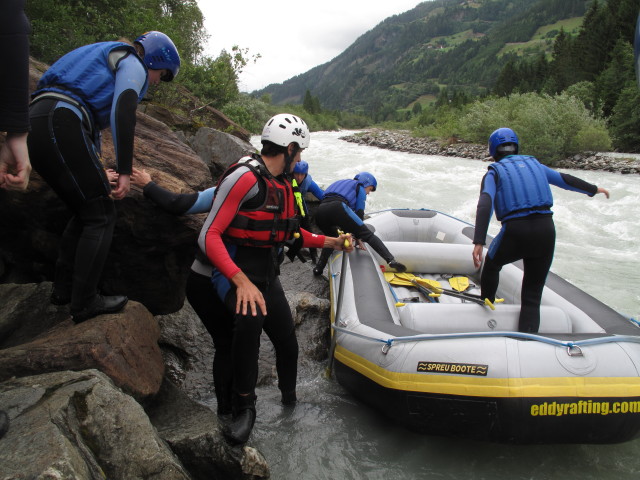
330, 435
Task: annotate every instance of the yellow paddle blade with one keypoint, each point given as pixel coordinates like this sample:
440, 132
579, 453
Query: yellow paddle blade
393, 279
459, 284
431, 284
425, 282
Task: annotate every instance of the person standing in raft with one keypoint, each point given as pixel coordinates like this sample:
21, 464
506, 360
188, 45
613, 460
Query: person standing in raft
517, 186
84, 92
252, 216
343, 208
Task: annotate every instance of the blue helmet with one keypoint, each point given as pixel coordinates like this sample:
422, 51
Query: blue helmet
500, 137
160, 53
366, 180
301, 167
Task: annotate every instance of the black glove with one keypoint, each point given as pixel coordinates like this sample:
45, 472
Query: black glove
397, 266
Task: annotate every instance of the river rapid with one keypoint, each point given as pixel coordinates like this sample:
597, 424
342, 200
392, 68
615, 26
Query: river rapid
330, 435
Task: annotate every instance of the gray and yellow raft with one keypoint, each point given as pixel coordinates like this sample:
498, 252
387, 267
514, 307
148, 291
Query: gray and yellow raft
447, 366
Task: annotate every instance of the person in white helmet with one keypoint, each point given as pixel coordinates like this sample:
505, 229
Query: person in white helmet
252, 216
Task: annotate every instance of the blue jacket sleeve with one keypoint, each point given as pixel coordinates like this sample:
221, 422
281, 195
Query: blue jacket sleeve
569, 182
315, 190
361, 202
203, 202
131, 78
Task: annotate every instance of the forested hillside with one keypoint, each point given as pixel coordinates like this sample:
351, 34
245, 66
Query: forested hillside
440, 43
432, 69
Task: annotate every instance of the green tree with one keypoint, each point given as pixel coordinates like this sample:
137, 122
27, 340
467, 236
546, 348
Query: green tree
59, 26
549, 127
310, 103
619, 72
562, 68
625, 121
215, 81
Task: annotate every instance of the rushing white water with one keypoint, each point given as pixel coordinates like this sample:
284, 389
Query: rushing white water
330, 435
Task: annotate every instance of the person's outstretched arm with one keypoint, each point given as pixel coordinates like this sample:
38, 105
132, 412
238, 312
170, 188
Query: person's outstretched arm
175, 203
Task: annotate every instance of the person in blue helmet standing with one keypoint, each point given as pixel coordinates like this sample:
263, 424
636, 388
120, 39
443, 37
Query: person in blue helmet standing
87, 90
342, 208
302, 184
517, 187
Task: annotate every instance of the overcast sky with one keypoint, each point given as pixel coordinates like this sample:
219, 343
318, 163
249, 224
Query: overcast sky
291, 36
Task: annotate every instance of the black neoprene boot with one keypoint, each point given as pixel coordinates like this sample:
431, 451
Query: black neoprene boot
289, 398
322, 261
100, 305
223, 396
239, 429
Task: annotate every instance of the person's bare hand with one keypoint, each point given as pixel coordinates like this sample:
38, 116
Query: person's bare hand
343, 242
477, 255
140, 178
15, 166
112, 176
122, 187
248, 297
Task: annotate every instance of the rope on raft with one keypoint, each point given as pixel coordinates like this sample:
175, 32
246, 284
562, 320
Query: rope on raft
389, 342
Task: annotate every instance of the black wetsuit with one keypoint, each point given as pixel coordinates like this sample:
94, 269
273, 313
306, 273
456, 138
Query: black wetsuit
64, 148
335, 212
14, 81
529, 236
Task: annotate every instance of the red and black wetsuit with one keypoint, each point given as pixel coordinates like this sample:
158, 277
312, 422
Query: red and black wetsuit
253, 213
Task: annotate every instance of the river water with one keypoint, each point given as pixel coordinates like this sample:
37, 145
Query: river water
330, 435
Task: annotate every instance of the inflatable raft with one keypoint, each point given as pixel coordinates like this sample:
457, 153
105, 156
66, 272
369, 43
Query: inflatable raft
447, 365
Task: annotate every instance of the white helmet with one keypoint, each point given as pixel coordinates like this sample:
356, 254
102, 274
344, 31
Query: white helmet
284, 128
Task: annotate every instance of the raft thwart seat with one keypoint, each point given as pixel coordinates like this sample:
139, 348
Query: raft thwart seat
469, 317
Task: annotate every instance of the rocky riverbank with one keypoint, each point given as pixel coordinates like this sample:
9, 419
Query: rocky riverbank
403, 141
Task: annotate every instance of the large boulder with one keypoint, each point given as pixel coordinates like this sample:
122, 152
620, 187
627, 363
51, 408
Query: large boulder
193, 432
80, 425
218, 149
187, 349
122, 345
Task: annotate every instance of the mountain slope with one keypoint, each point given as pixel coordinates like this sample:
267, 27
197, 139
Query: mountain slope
457, 43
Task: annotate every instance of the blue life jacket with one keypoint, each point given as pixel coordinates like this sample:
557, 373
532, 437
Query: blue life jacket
522, 187
347, 189
85, 75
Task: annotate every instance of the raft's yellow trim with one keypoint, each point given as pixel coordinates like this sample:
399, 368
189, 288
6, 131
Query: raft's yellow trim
492, 387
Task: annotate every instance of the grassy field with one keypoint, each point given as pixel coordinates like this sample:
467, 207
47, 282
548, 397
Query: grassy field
543, 39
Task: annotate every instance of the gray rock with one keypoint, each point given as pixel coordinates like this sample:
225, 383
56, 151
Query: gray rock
193, 433
78, 425
122, 345
187, 350
218, 149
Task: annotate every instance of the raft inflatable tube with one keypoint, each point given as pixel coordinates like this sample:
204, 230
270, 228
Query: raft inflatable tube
446, 365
